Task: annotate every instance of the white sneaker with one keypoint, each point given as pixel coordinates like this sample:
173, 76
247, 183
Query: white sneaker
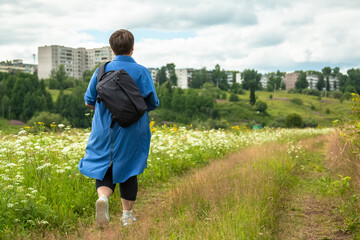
128, 218
102, 211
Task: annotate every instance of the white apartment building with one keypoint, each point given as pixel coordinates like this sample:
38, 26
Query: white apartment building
184, 77
154, 72
264, 81
238, 78
334, 83
312, 80
230, 78
97, 56
75, 60
17, 65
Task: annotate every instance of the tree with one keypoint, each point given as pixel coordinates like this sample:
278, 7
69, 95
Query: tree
5, 105
17, 96
233, 97
236, 88
170, 67
219, 78
354, 78
248, 76
166, 95
261, 106
177, 101
293, 121
199, 77
210, 90
87, 75
252, 93
301, 82
161, 76
275, 81
336, 71
321, 83
327, 72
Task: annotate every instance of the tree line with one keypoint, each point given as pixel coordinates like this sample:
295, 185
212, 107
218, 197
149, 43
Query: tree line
23, 96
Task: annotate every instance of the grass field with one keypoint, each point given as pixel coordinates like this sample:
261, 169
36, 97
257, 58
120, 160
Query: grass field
5, 128
42, 190
281, 106
55, 93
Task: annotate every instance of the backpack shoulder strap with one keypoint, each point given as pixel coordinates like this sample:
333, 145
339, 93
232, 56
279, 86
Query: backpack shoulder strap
101, 71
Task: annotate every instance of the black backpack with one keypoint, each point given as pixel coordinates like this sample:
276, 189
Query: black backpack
120, 95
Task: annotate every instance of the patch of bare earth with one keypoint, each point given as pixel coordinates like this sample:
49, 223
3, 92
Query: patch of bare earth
308, 215
312, 218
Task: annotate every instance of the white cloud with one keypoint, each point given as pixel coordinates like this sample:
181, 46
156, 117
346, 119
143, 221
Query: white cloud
265, 35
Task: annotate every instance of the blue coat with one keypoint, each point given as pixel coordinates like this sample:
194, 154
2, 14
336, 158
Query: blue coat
131, 144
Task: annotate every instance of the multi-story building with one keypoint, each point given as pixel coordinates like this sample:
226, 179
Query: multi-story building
334, 83
264, 80
17, 65
184, 77
238, 78
230, 78
75, 60
154, 72
97, 56
290, 80
312, 79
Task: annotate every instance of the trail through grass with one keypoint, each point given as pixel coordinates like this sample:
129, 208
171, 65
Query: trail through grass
311, 209
274, 191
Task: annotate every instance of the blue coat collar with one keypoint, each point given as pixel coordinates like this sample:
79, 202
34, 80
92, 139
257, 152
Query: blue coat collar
124, 58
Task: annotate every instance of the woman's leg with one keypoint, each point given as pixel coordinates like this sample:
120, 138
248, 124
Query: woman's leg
128, 193
104, 189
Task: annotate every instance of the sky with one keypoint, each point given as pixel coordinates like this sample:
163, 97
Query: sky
266, 35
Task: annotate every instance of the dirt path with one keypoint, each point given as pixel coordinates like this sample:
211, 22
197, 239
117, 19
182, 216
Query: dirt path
310, 211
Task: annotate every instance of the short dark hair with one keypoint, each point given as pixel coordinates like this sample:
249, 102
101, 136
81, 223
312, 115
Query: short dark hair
121, 42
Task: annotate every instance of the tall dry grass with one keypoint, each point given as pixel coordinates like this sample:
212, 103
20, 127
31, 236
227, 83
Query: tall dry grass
234, 198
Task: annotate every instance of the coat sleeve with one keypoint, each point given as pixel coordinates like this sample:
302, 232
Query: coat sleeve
150, 96
91, 94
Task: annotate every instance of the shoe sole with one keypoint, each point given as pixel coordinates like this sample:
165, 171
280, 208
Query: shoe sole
101, 208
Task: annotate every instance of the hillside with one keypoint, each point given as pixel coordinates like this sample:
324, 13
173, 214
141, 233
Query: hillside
313, 111
225, 114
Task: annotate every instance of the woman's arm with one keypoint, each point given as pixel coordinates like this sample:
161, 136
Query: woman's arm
90, 106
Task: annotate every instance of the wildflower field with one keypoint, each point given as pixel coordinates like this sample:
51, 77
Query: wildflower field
41, 188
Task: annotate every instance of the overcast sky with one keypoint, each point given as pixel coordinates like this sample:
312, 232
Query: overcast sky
265, 35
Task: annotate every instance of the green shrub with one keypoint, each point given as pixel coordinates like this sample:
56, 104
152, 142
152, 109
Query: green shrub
212, 124
310, 123
346, 96
277, 123
293, 120
312, 107
337, 94
261, 106
48, 118
313, 92
327, 111
270, 96
233, 97
292, 90
297, 101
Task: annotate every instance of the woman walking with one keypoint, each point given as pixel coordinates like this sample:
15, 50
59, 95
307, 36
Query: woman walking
119, 154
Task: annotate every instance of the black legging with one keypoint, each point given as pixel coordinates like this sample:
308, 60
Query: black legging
128, 189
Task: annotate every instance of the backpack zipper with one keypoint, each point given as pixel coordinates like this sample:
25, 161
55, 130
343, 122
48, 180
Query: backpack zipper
112, 146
